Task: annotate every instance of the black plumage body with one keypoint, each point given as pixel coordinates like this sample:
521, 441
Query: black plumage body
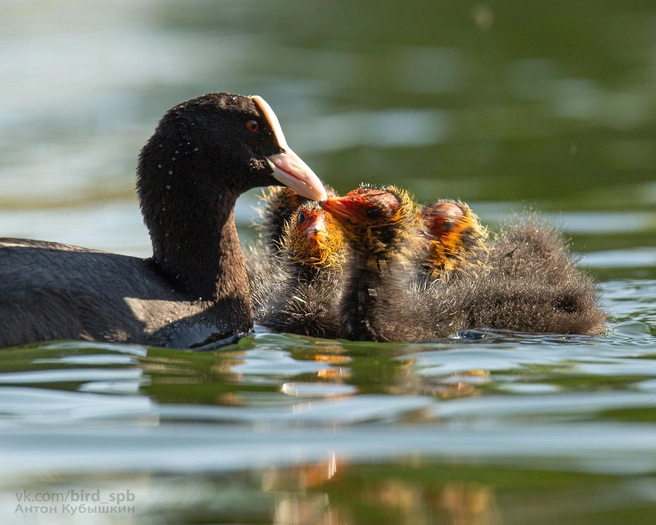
194, 290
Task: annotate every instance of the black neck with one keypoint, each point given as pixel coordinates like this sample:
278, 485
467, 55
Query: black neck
196, 248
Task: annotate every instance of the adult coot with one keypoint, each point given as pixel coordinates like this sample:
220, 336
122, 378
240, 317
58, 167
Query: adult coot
193, 291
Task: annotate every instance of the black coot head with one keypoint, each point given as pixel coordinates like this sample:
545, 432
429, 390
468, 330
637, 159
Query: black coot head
225, 140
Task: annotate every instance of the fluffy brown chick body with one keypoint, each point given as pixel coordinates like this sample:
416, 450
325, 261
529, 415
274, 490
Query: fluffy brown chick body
382, 227
310, 268
525, 280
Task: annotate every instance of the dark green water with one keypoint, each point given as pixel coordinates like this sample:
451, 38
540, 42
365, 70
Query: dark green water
511, 105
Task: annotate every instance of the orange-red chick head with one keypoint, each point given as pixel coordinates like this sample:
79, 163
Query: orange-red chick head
313, 238
456, 237
379, 221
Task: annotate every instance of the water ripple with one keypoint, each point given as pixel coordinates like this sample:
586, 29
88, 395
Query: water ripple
609, 448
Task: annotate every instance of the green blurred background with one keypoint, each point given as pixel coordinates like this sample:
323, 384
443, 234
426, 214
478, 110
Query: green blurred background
505, 104
549, 102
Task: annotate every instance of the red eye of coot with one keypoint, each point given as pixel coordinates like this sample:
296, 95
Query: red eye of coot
252, 126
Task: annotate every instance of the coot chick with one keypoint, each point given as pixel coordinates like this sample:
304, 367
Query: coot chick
266, 264
534, 285
457, 241
194, 290
383, 229
278, 203
531, 283
300, 292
